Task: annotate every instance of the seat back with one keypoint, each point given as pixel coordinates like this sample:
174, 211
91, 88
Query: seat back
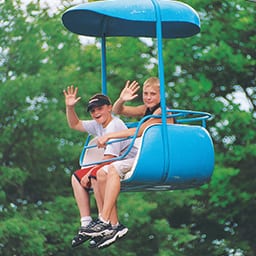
188, 160
93, 154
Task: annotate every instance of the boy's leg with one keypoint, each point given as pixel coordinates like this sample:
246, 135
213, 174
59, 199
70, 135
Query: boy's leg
112, 190
97, 185
117, 230
101, 186
82, 198
109, 184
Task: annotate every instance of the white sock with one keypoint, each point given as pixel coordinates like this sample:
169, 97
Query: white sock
115, 225
101, 219
85, 221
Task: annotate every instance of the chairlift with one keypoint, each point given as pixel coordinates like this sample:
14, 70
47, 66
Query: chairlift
171, 156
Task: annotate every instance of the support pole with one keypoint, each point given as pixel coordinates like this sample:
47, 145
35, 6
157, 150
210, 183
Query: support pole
162, 87
103, 66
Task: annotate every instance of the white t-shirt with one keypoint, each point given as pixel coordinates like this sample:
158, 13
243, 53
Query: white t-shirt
115, 125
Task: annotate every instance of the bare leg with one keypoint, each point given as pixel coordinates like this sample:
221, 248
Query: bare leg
96, 189
113, 216
102, 178
111, 193
82, 197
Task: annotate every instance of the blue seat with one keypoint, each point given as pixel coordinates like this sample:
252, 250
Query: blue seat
187, 162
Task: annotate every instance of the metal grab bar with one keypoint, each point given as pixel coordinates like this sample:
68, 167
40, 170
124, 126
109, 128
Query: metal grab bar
114, 141
174, 114
198, 116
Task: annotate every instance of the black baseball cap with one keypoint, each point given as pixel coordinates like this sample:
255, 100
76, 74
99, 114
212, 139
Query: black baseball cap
97, 101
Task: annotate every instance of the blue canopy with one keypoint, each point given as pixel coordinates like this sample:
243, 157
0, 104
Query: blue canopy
132, 18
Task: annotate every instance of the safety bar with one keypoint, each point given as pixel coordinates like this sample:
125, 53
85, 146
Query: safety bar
199, 116
114, 141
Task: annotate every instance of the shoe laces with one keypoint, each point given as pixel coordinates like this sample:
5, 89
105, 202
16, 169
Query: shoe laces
92, 223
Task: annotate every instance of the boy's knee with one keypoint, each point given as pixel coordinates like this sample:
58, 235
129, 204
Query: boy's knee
112, 170
101, 175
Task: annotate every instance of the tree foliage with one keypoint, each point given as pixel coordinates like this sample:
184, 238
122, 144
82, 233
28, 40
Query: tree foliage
207, 72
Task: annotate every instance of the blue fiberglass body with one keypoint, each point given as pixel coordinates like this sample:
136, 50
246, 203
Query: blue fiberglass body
171, 156
190, 163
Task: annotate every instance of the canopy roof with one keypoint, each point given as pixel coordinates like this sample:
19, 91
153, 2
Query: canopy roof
132, 18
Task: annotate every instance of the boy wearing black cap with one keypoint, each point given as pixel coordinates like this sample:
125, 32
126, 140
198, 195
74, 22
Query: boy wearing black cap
102, 122
113, 173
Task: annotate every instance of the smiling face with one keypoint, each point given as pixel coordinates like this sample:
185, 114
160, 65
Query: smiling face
151, 95
151, 92
102, 114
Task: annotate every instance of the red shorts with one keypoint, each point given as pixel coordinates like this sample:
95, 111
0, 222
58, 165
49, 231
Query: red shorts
79, 174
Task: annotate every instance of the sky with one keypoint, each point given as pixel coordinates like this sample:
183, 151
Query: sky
53, 3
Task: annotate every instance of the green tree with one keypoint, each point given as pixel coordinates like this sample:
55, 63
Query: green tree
39, 58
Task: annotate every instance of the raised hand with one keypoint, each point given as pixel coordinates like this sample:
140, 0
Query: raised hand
130, 91
70, 96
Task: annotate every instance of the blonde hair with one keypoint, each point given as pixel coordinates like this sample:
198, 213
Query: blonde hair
152, 82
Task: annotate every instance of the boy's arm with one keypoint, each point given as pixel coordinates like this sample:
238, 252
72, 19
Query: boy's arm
70, 100
101, 141
73, 121
128, 111
128, 93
